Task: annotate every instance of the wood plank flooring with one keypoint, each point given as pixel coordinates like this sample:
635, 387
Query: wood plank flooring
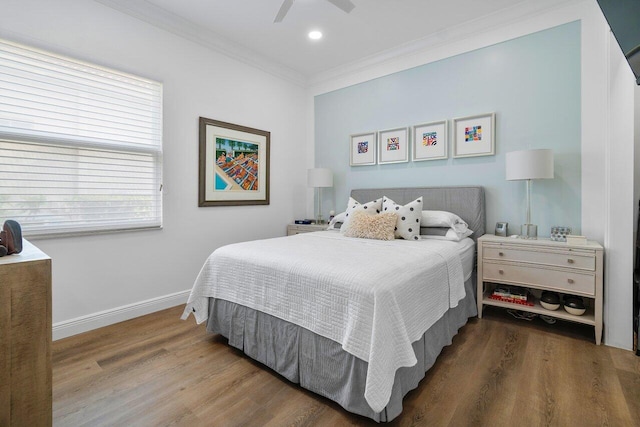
158, 370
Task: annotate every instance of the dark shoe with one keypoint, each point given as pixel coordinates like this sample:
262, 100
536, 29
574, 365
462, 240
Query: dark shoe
11, 236
3, 251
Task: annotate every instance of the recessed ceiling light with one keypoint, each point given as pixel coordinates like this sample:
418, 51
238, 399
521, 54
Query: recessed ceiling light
315, 35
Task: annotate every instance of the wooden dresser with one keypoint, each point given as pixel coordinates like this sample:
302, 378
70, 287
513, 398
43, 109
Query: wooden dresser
543, 265
25, 337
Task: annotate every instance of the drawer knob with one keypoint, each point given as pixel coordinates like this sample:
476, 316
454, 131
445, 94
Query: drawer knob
570, 261
501, 271
570, 281
500, 253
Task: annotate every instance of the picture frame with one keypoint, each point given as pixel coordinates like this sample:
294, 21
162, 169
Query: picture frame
430, 141
474, 136
233, 164
362, 148
393, 146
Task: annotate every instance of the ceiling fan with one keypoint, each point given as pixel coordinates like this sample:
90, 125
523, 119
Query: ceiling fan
345, 5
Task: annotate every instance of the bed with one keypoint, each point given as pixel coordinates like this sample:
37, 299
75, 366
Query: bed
355, 320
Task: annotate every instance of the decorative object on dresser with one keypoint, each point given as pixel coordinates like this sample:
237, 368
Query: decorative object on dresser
528, 165
234, 164
25, 337
543, 265
319, 178
502, 229
474, 135
576, 240
362, 149
293, 229
560, 233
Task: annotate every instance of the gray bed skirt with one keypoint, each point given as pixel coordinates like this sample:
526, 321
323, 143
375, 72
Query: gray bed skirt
321, 365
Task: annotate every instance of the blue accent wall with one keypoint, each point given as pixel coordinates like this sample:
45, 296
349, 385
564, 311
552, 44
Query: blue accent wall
532, 83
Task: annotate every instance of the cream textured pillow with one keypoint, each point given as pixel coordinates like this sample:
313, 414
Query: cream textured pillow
353, 205
367, 226
408, 223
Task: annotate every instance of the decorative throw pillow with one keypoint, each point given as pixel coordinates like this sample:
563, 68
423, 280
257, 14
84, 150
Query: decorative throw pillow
443, 219
336, 221
408, 223
353, 205
444, 233
368, 226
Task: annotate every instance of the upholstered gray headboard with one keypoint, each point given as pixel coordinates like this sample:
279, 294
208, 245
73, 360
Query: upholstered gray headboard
466, 202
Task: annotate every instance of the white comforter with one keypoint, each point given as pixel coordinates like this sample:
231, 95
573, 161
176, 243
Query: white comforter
374, 297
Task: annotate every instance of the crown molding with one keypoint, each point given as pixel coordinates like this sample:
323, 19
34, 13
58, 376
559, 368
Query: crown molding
401, 57
186, 29
410, 54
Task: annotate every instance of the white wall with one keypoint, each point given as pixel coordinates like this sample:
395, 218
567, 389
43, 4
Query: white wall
98, 280
619, 240
607, 167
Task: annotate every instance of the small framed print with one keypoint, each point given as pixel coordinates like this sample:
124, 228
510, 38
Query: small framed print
363, 149
430, 141
393, 146
474, 136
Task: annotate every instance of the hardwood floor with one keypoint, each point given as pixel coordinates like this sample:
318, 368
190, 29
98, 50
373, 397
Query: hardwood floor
159, 370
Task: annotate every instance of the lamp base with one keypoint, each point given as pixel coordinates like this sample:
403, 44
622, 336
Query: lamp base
319, 219
529, 231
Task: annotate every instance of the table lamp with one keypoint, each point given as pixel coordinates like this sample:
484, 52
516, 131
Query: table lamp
319, 178
528, 165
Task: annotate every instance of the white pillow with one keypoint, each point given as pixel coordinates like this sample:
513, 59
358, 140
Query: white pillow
408, 223
336, 219
353, 205
443, 219
450, 235
368, 226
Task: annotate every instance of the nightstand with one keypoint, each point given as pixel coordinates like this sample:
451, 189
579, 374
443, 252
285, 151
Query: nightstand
543, 264
293, 229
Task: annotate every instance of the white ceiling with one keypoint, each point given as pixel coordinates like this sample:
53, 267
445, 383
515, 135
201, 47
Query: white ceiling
245, 28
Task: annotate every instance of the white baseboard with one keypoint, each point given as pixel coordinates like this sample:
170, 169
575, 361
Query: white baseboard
97, 320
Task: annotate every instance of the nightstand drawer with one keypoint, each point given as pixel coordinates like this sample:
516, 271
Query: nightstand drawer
293, 229
569, 281
584, 260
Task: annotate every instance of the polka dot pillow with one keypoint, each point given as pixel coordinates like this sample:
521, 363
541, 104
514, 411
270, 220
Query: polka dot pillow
373, 207
408, 223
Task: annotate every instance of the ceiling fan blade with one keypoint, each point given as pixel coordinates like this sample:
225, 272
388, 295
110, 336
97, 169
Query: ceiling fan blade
286, 5
345, 5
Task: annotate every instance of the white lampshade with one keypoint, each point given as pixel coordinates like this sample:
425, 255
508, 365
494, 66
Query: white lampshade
529, 164
319, 177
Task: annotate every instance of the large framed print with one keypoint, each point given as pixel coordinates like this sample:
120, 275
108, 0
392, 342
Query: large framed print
362, 148
393, 146
474, 136
430, 141
234, 164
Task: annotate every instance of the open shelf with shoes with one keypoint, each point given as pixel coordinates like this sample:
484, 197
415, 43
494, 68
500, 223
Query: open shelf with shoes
587, 318
543, 265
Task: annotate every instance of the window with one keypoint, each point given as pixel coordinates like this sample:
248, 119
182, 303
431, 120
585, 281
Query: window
80, 145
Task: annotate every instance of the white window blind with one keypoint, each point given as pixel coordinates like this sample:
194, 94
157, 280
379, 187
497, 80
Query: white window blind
80, 145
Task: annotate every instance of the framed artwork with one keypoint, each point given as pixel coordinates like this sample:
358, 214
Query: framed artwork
474, 136
430, 141
362, 147
393, 146
234, 164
